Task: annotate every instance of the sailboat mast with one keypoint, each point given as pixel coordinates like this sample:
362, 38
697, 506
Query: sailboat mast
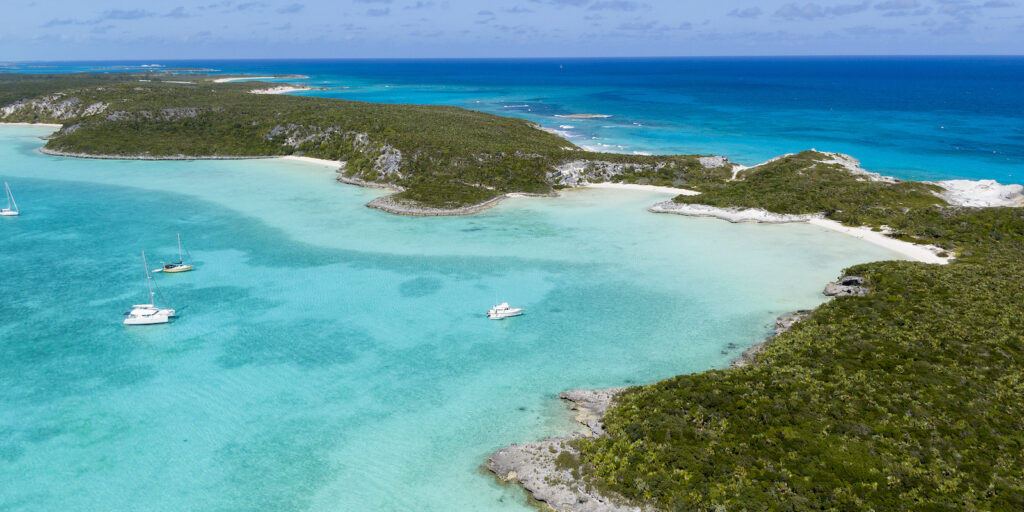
149, 283
180, 258
10, 197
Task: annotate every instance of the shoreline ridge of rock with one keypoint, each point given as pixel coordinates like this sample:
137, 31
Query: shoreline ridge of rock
391, 205
534, 465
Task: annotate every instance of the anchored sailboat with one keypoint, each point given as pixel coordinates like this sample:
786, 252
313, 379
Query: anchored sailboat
12, 207
179, 266
148, 314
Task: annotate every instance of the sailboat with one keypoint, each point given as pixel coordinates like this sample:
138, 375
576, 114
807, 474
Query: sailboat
179, 266
148, 314
12, 207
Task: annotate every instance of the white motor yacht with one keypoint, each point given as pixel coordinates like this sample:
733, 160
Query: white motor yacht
148, 314
503, 310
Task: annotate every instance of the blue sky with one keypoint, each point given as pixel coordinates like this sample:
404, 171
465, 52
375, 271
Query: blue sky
103, 29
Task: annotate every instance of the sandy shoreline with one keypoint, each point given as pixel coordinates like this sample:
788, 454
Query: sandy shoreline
917, 252
647, 188
283, 89
318, 161
922, 253
240, 78
50, 125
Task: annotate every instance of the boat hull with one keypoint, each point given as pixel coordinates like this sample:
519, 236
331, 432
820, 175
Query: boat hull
148, 316
147, 320
8, 213
179, 268
505, 314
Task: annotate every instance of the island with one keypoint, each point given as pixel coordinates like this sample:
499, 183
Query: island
905, 391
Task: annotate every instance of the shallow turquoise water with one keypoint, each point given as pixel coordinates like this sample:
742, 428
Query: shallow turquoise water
332, 357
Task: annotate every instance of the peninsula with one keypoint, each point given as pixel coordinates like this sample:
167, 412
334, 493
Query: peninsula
904, 393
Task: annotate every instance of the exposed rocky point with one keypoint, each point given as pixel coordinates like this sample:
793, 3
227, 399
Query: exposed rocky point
536, 466
847, 286
731, 214
782, 324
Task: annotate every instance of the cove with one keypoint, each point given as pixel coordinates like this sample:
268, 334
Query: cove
333, 357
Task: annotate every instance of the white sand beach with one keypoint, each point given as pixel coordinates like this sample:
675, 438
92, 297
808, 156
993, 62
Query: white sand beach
282, 89
51, 125
917, 252
334, 164
649, 188
238, 78
922, 253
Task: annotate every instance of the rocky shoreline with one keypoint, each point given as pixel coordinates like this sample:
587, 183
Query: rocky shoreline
536, 465
391, 205
366, 184
731, 214
782, 324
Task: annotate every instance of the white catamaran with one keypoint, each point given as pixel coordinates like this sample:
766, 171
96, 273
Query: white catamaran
179, 266
12, 207
147, 314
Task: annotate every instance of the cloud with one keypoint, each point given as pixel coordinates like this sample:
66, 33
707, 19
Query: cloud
637, 26
58, 22
916, 12
378, 12
749, 12
615, 5
518, 10
488, 16
996, 4
291, 8
177, 12
419, 5
961, 11
563, 3
101, 29
844, 9
873, 31
372, 1
651, 27
794, 11
108, 15
806, 12
890, 5
122, 14
246, 6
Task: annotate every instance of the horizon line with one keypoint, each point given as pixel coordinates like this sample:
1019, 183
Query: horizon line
628, 57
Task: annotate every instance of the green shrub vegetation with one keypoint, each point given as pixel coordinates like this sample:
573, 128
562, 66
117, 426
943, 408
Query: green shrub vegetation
802, 183
909, 398
442, 156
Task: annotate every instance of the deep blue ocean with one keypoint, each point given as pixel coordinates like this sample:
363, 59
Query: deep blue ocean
911, 117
